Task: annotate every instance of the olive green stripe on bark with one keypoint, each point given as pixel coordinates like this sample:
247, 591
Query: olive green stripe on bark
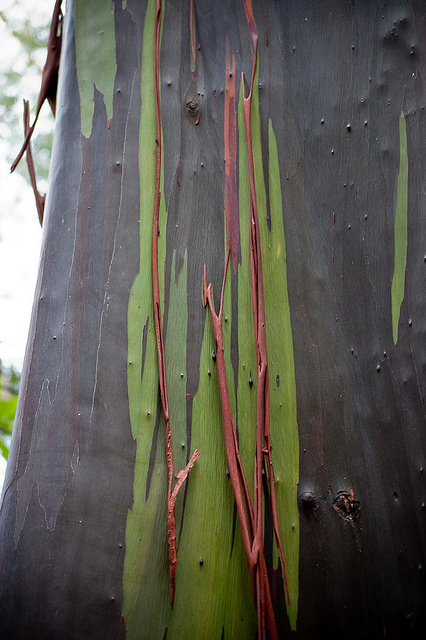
284, 427
213, 594
400, 229
95, 56
146, 587
247, 368
283, 411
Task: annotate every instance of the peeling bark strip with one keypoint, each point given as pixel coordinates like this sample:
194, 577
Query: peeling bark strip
253, 550
263, 439
40, 199
250, 516
263, 416
236, 471
181, 475
263, 443
49, 80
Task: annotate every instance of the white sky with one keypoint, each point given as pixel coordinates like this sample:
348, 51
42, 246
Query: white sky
20, 232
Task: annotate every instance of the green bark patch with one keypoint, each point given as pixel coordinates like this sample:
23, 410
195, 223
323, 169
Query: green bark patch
283, 408
211, 559
95, 55
400, 229
145, 580
247, 366
283, 403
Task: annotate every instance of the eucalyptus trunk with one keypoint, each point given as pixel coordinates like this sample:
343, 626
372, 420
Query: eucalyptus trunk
245, 458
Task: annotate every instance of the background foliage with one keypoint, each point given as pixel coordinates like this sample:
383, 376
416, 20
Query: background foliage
24, 31
20, 76
9, 386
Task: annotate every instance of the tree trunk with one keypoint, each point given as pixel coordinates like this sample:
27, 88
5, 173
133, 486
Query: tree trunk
278, 146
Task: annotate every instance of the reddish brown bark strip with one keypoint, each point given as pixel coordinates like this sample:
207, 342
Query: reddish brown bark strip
236, 470
252, 546
230, 140
263, 438
171, 521
40, 199
182, 475
49, 80
250, 517
251, 23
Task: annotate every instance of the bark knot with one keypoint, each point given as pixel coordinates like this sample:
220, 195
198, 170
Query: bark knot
346, 505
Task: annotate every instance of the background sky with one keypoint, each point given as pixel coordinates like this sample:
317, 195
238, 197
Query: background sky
20, 232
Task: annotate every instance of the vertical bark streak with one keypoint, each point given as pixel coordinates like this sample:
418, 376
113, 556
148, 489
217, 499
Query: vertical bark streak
191, 32
181, 475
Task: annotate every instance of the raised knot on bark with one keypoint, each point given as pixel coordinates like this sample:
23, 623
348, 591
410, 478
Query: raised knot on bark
192, 107
192, 104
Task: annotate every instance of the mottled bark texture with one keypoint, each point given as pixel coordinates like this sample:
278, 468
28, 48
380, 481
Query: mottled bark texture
279, 148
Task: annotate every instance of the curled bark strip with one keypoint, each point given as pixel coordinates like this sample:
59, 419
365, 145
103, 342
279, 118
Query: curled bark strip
171, 522
49, 80
40, 199
182, 475
236, 471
